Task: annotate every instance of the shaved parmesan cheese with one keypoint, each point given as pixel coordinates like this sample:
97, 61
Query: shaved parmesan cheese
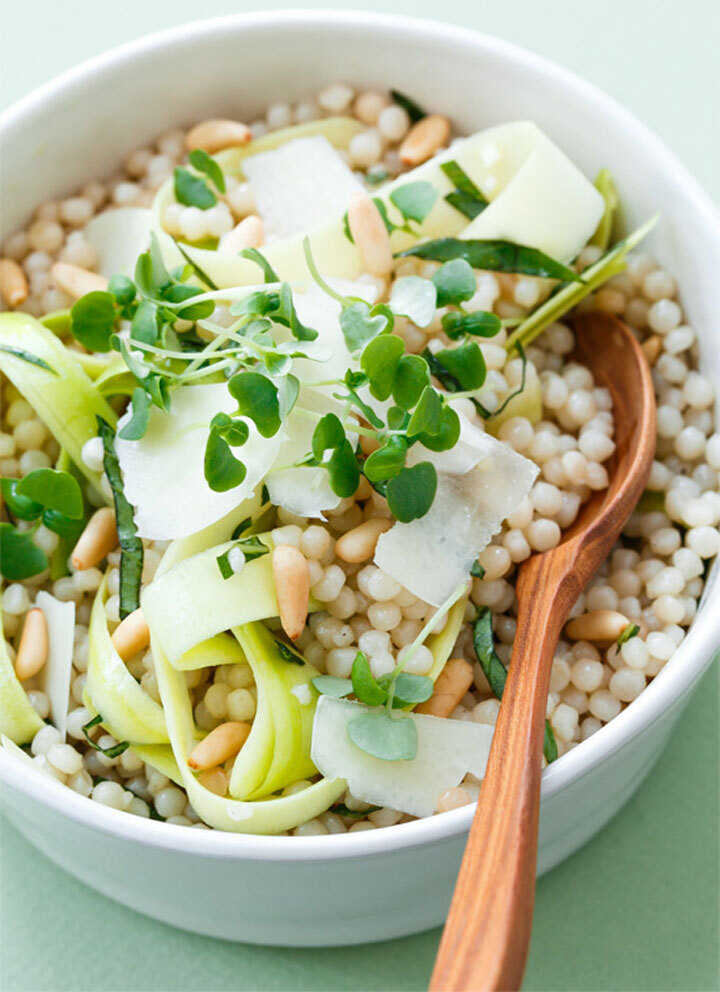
118, 237
56, 674
432, 556
300, 185
538, 196
163, 471
446, 751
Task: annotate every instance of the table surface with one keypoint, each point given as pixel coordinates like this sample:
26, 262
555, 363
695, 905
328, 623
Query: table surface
637, 908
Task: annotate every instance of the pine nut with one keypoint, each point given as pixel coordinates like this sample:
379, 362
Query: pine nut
98, 539
359, 543
33, 650
598, 626
453, 682
220, 744
370, 234
13, 283
77, 281
214, 780
424, 139
291, 573
249, 233
652, 347
214, 135
131, 635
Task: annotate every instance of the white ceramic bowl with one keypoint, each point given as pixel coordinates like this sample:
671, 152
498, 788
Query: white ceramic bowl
385, 883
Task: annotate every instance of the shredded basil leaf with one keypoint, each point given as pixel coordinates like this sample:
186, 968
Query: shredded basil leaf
27, 356
632, 630
111, 752
496, 256
413, 110
131, 546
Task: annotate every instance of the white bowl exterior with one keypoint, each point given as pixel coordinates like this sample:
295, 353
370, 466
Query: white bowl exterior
378, 884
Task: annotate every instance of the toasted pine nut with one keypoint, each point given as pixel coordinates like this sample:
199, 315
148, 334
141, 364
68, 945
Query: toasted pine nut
652, 347
33, 650
598, 626
220, 744
214, 780
13, 282
131, 635
359, 543
98, 539
424, 139
370, 234
452, 683
291, 573
214, 135
77, 281
249, 233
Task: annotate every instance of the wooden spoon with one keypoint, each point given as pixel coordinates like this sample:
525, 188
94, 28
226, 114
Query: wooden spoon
485, 942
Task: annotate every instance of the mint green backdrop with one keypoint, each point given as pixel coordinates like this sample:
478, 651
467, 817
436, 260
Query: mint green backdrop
637, 908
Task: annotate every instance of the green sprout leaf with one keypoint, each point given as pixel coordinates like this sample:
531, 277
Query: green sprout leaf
447, 435
383, 736
411, 492
19, 556
415, 200
145, 325
223, 470
200, 160
465, 363
255, 256
123, 289
480, 323
328, 435
257, 398
192, 191
286, 314
53, 490
21, 507
92, 320
343, 471
411, 377
136, 427
409, 689
359, 325
415, 298
388, 461
496, 256
549, 744
455, 282
427, 415
364, 685
330, 685
379, 361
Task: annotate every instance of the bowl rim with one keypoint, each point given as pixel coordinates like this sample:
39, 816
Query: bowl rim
668, 690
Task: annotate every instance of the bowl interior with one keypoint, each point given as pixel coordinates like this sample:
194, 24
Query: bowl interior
80, 127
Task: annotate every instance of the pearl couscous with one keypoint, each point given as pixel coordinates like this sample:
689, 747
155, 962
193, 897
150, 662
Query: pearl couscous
181, 647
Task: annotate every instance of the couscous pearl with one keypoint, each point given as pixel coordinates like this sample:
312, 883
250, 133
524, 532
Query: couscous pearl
688, 563
393, 123
564, 720
698, 513
604, 705
495, 560
47, 737
669, 609
586, 674
278, 115
365, 149
690, 443
384, 616
546, 499
627, 684
170, 801
15, 600
543, 534
660, 645
486, 712
559, 675
39, 702
635, 653
335, 98
517, 432
589, 726
65, 758
112, 794
664, 316
374, 642
339, 661
328, 588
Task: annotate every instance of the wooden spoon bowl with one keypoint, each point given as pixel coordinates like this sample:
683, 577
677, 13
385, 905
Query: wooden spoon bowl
487, 934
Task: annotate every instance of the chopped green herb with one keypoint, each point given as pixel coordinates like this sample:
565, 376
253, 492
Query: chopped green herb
466, 197
496, 256
340, 809
27, 356
632, 630
413, 110
241, 528
477, 571
111, 752
250, 547
287, 653
549, 744
131, 546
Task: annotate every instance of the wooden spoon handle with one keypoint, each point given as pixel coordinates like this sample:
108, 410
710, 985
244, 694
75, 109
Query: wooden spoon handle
485, 942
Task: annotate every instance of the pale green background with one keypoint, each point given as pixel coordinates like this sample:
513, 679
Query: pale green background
637, 909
